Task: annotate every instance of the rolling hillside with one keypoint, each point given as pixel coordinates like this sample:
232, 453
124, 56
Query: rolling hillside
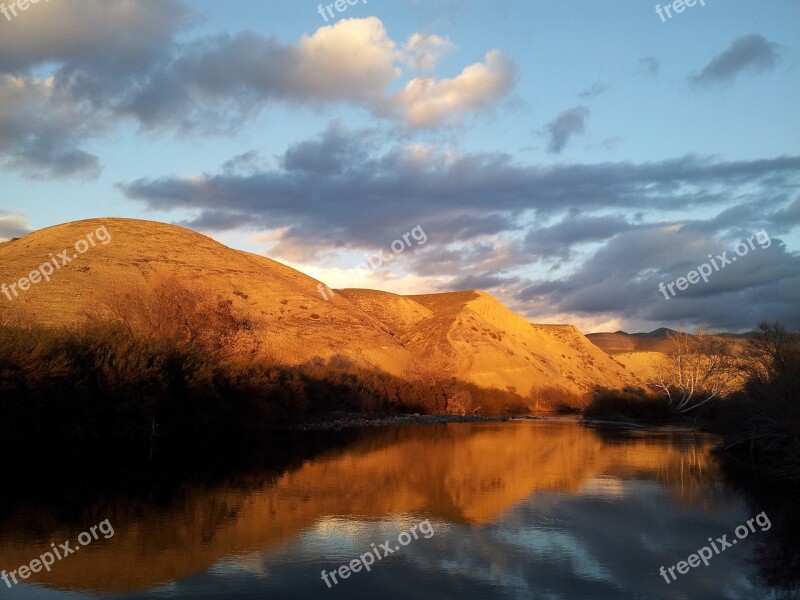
467, 335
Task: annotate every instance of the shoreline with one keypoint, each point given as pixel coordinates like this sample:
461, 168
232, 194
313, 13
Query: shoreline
338, 421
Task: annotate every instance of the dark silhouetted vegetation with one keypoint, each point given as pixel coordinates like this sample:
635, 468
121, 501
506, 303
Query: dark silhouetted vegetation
759, 424
104, 380
558, 400
630, 405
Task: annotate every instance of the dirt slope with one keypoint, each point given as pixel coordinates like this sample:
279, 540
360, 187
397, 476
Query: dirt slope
620, 343
472, 336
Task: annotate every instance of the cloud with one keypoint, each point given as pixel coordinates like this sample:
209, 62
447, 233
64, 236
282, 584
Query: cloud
331, 153
353, 61
343, 184
131, 69
90, 38
569, 123
13, 226
623, 278
749, 53
40, 134
246, 162
423, 51
559, 239
96, 51
426, 102
594, 90
548, 240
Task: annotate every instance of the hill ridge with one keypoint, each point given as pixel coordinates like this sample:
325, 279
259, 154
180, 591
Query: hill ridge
465, 334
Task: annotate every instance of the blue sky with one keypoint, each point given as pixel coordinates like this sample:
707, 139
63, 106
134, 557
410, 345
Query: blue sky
566, 157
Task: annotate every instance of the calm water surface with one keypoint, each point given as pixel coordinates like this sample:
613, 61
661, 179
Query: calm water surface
517, 510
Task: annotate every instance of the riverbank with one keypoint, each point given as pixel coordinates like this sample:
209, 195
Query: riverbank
346, 420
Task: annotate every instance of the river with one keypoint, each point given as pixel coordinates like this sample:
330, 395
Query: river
523, 509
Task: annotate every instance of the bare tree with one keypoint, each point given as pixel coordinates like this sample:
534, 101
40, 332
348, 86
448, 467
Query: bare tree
773, 367
696, 369
462, 403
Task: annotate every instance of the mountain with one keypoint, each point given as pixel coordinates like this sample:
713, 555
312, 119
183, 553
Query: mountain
472, 336
639, 352
660, 333
621, 342
467, 335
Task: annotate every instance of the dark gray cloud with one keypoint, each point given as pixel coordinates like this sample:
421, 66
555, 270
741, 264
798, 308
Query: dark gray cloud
40, 136
90, 38
594, 90
489, 220
558, 239
569, 123
623, 278
341, 187
749, 53
98, 50
331, 153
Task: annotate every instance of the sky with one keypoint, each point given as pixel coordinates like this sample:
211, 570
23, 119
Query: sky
593, 163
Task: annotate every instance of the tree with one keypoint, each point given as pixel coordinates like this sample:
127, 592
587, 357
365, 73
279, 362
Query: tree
461, 403
773, 369
696, 369
763, 426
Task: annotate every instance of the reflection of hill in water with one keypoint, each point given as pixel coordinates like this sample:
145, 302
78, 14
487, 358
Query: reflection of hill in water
459, 473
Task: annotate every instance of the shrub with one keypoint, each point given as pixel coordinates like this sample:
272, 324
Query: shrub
556, 399
761, 426
629, 404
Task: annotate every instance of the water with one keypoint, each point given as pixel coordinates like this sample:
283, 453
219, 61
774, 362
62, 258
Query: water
500, 510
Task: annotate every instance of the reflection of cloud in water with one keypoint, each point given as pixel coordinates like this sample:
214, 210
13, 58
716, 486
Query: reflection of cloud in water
556, 545
587, 546
608, 487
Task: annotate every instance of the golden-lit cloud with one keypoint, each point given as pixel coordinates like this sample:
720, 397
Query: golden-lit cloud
426, 102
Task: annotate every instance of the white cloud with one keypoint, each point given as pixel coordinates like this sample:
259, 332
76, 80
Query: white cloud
12, 226
387, 281
427, 102
423, 51
351, 60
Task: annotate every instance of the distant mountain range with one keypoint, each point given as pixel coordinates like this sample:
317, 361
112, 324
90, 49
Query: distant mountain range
621, 342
